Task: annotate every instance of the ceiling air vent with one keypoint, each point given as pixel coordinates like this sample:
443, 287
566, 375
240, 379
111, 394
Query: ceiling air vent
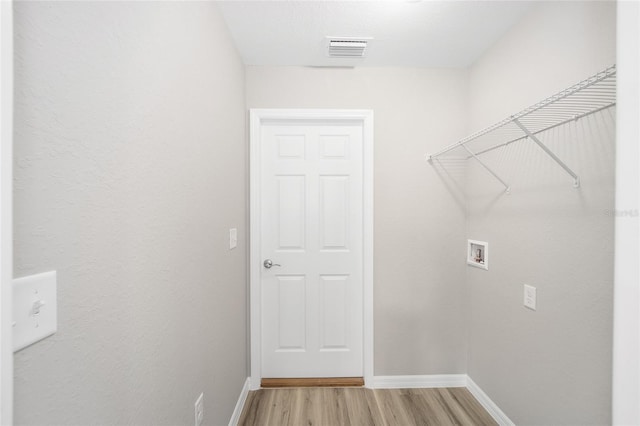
341, 47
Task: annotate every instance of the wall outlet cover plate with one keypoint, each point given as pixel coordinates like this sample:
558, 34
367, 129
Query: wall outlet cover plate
233, 238
530, 297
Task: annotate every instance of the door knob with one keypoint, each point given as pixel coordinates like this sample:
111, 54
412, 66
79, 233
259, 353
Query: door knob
269, 263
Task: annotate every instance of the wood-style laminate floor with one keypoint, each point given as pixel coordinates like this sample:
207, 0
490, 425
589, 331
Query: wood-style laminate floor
361, 406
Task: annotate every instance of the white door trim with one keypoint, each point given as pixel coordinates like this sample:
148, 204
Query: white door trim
626, 309
6, 224
257, 117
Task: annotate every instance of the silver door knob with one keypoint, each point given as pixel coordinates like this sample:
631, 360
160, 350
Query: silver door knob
269, 263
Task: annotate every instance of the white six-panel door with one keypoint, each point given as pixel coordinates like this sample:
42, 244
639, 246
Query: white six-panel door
311, 228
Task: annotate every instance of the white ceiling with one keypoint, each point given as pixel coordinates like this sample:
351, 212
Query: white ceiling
405, 33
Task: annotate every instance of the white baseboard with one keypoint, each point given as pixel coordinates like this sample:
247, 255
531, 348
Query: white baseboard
237, 412
429, 381
498, 415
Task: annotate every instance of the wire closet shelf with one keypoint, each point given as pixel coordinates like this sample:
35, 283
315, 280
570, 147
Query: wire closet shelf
589, 96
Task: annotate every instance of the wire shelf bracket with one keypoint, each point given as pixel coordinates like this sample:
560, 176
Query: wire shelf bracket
576, 179
487, 168
587, 97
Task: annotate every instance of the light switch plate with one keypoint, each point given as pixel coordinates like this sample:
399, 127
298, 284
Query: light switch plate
199, 410
35, 312
233, 238
530, 297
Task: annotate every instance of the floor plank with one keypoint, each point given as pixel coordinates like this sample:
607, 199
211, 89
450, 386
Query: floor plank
477, 414
363, 409
326, 406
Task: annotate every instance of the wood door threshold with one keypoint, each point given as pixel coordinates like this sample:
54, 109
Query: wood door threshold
304, 382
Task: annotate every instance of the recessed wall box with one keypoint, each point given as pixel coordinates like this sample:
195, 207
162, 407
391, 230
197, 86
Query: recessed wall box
478, 254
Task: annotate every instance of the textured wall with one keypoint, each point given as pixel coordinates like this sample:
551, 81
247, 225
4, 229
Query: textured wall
129, 170
552, 366
419, 299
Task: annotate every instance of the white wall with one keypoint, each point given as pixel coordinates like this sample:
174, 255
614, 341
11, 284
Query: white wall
551, 366
129, 170
419, 299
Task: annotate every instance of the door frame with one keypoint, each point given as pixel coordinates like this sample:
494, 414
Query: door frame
626, 307
256, 119
6, 212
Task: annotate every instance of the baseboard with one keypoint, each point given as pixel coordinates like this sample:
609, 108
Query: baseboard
237, 412
428, 381
498, 415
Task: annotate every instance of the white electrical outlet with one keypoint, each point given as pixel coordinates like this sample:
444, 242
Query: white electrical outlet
530, 297
199, 409
233, 238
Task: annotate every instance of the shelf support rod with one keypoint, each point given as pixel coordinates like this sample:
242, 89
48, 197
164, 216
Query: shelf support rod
507, 187
576, 179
